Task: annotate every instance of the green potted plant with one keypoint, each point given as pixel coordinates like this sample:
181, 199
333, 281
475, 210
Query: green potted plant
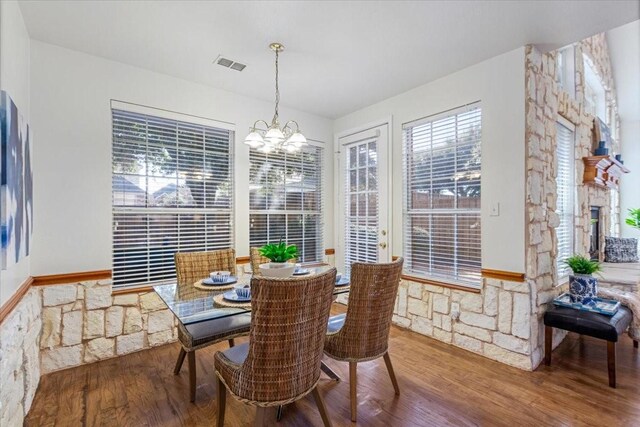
634, 218
279, 254
583, 287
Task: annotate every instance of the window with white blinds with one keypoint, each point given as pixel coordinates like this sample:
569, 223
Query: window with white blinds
285, 200
566, 192
172, 187
442, 177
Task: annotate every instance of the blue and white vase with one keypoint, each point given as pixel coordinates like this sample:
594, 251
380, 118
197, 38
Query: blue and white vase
583, 289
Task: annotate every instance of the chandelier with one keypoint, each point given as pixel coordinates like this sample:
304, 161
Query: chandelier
288, 138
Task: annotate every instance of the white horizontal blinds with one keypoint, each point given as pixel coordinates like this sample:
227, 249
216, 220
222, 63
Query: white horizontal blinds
285, 200
361, 204
172, 192
442, 179
566, 192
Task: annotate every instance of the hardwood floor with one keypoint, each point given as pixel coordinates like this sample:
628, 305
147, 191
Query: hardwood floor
440, 385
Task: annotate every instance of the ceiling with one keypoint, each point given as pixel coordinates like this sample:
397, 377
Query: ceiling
624, 51
339, 56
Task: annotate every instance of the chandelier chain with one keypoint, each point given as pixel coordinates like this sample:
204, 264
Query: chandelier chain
275, 116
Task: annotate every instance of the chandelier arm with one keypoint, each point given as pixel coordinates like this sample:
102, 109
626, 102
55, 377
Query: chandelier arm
286, 126
255, 125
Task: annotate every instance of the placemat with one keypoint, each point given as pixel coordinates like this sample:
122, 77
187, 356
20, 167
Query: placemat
199, 285
219, 299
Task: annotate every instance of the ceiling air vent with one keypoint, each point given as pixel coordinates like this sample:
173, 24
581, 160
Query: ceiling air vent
228, 63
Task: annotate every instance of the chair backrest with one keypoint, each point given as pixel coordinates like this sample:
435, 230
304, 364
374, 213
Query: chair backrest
256, 259
365, 333
193, 266
288, 327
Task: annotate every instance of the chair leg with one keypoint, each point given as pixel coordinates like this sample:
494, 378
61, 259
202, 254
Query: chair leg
353, 388
327, 370
279, 413
611, 363
387, 361
222, 401
321, 407
191, 359
548, 344
179, 362
261, 416
231, 342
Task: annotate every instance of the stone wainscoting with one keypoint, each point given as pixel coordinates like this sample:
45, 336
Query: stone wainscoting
495, 323
83, 323
20, 359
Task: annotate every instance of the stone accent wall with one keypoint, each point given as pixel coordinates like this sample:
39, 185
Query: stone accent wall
495, 323
544, 104
84, 323
19, 359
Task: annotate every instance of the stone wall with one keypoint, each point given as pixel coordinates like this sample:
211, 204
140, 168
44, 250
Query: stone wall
84, 323
495, 323
19, 359
545, 103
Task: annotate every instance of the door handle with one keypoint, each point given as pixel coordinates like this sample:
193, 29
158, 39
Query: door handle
383, 245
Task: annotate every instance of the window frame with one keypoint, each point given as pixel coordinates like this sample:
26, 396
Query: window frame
189, 120
321, 225
563, 272
447, 279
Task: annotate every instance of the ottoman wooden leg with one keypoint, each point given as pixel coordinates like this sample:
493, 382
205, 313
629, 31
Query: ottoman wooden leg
635, 344
548, 344
611, 362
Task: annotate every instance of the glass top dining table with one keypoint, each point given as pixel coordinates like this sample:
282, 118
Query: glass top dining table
192, 305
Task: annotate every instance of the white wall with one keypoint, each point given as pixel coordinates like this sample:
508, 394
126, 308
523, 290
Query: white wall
71, 115
499, 84
630, 183
14, 79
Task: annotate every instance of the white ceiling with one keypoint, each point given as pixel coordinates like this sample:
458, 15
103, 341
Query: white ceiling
339, 57
624, 51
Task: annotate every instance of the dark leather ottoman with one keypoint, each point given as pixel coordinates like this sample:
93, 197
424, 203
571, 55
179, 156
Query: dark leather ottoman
595, 325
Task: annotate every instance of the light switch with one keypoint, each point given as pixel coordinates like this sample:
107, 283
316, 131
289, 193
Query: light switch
495, 209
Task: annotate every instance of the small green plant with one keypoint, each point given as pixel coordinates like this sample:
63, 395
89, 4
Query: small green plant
634, 218
580, 264
279, 252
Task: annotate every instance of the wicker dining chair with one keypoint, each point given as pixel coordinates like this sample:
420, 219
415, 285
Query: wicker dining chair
256, 259
281, 362
191, 267
362, 333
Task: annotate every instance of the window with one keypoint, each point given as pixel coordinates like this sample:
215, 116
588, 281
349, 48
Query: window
594, 92
566, 194
285, 200
565, 70
171, 189
442, 158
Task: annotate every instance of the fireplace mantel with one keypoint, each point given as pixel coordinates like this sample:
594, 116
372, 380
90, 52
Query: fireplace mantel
603, 171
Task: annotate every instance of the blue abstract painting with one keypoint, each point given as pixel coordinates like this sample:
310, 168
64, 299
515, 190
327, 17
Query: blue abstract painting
16, 184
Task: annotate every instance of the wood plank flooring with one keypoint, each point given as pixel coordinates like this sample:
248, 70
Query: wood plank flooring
440, 385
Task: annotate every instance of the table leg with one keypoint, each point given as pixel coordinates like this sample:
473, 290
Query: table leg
548, 344
611, 363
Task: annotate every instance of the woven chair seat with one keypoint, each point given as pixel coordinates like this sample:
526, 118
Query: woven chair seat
208, 332
336, 323
236, 355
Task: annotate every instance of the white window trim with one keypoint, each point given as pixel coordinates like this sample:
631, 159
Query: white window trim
561, 280
424, 120
191, 119
323, 200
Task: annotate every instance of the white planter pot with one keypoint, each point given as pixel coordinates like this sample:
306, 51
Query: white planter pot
279, 271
